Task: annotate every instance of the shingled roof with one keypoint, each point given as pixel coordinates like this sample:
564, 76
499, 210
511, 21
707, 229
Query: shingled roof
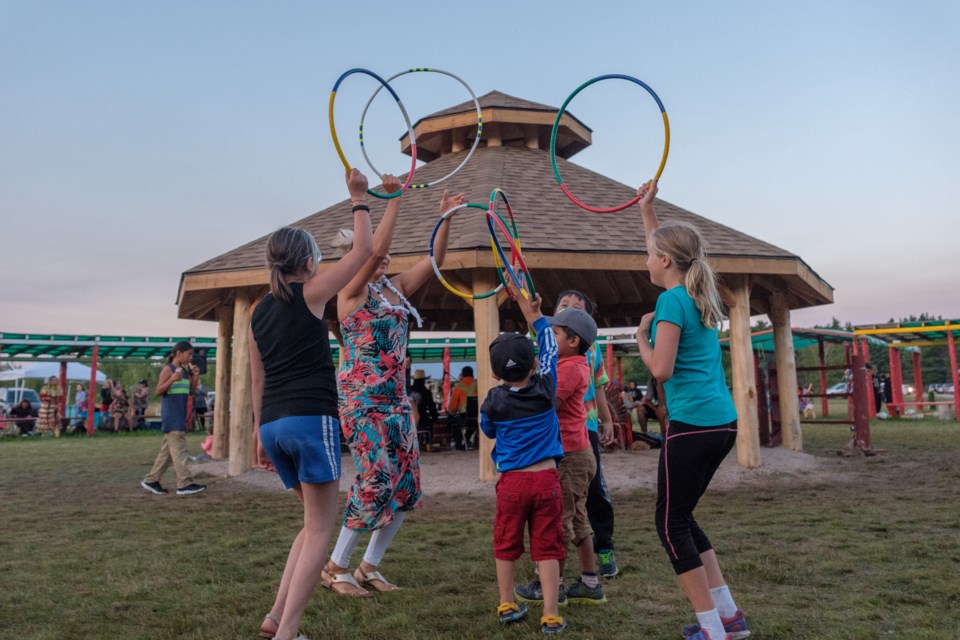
565, 246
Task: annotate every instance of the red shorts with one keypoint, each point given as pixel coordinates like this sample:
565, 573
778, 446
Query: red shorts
529, 498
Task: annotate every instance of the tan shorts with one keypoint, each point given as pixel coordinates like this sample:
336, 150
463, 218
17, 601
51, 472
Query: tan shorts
576, 472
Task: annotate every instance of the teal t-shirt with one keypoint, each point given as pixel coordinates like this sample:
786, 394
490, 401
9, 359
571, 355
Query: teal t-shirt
697, 393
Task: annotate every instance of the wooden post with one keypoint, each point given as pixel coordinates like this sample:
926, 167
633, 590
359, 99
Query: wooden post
241, 403
609, 361
458, 140
871, 400
744, 384
221, 406
531, 139
494, 139
824, 405
917, 381
952, 352
896, 378
486, 326
92, 403
786, 372
64, 391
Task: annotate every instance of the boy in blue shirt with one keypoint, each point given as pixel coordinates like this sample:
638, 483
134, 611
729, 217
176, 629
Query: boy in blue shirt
520, 415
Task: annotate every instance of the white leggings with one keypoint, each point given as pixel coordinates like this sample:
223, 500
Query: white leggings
379, 542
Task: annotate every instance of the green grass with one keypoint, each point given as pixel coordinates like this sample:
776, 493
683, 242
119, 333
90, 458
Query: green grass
871, 549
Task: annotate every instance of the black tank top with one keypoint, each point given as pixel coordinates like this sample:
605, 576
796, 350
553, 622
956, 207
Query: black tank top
300, 379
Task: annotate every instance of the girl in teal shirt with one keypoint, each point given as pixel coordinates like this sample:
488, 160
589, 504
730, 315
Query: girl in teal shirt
679, 344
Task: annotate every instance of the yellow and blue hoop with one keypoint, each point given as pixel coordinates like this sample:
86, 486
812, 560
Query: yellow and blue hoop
406, 118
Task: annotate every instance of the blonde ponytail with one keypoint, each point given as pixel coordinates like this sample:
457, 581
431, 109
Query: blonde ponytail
685, 246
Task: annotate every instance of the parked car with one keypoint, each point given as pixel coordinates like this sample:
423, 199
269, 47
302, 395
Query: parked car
11, 397
840, 387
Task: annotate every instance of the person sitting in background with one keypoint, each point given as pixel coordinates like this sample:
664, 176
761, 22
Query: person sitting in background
649, 406
25, 417
426, 406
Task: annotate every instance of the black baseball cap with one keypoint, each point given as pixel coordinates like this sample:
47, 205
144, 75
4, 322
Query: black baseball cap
577, 321
511, 356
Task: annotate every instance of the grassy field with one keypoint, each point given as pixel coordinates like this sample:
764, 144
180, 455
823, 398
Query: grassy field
868, 548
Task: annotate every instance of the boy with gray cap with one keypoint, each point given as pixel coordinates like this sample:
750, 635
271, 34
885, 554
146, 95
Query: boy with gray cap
574, 331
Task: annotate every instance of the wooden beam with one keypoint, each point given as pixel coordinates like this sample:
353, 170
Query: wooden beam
486, 323
744, 383
241, 402
492, 132
221, 408
786, 372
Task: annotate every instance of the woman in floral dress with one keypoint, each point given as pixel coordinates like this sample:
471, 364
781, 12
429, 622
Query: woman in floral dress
374, 411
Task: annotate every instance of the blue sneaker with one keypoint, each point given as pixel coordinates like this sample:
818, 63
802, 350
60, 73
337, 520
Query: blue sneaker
532, 593
579, 593
735, 626
511, 612
607, 564
559, 624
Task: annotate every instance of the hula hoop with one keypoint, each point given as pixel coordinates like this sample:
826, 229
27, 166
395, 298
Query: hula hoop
512, 233
406, 118
556, 126
491, 218
433, 261
476, 141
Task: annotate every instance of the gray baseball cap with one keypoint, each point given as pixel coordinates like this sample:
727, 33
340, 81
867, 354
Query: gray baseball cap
577, 321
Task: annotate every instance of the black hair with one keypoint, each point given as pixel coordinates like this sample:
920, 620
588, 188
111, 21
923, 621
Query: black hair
582, 346
180, 347
588, 304
467, 371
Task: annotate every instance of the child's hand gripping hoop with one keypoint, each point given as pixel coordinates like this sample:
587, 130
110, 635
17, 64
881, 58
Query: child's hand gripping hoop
406, 118
556, 126
447, 215
476, 141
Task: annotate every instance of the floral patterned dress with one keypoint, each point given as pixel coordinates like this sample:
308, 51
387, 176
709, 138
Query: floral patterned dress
375, 416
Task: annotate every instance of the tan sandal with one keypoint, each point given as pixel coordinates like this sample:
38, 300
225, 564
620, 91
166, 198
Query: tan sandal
264, 631
330, 581
372, 578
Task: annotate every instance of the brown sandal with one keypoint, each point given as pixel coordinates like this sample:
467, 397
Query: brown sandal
330, 581
372, 579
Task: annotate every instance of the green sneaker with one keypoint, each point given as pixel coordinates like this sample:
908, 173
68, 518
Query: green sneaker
579, 593
607, 564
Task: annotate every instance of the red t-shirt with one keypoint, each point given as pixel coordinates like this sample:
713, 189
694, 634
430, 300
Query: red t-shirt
573, 378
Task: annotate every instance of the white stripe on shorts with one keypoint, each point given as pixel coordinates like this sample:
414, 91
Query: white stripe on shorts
330, 441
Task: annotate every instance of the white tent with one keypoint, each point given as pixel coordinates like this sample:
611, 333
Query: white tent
44, 370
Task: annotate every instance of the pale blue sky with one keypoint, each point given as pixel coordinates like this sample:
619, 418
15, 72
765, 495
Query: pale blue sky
165, 133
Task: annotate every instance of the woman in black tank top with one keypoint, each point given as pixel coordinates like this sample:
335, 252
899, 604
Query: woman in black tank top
295, 395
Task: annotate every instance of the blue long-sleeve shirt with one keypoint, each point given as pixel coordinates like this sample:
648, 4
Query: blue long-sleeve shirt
524, 420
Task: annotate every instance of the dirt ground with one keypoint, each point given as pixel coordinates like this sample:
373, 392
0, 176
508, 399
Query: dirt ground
456, 472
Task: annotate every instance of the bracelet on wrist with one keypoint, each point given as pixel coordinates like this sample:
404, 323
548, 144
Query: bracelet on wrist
360, 207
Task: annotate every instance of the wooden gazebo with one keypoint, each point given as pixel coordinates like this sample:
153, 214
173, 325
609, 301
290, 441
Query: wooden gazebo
564, 246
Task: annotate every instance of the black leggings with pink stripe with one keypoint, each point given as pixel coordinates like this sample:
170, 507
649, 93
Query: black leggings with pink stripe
688, 459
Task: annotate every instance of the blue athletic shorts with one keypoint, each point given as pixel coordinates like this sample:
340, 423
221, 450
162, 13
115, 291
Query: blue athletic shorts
303, 448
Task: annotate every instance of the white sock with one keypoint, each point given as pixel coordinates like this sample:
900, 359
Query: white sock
723, 601
711, 623
381, 539
346, 543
